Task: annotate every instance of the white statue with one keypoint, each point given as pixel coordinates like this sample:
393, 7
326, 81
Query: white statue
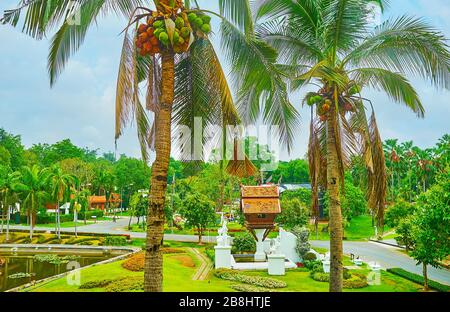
275, 246
222, 239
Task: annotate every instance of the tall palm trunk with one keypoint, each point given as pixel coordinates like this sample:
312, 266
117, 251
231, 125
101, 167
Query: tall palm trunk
58, 217
8, 217
31, 224
155, 221
336, 233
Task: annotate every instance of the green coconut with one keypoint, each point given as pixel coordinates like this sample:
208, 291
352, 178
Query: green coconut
206, 19
192, 17
179, 22
158, 32
206, 28
164, 38
198, 22
176, 37
185, 32
158, 24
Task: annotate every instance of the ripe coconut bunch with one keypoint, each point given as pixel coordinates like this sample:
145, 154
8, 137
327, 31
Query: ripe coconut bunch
323, 102
172, 32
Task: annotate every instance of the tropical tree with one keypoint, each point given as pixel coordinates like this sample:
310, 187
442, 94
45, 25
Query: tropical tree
431, 227
80, 202
31, 187
185, 78
339, 52
8, 196
199, 212
60, 186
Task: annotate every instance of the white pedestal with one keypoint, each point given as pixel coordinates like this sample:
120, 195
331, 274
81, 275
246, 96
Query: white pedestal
276, 264
326, 266
223, 257
260, 255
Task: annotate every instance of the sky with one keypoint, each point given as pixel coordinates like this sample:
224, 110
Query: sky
81, 104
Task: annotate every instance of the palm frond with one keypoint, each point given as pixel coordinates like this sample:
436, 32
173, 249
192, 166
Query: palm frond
260, 82
239, 12
406, 45
344, 23
377, 184
395, 85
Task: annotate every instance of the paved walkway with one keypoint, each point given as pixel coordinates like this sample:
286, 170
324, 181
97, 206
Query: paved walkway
386, 256
205, 265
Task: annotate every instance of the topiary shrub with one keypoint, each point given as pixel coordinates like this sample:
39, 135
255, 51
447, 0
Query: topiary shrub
243, 243
115, 241
320, 276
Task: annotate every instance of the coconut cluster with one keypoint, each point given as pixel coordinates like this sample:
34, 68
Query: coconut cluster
323, 103
176, 33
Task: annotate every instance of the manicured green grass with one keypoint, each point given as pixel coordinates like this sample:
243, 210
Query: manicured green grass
359, 228
63, 224
178, 278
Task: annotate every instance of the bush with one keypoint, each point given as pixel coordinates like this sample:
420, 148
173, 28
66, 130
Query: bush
398, 212
404, 233
320, 276
310, 256
127, 284
96, 284
210, 253
135, 263
231, 275
419, 279
244, 243
311, 264
355, 281
293, 213
115, 241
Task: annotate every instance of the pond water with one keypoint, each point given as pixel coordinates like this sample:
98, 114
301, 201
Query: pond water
28, 264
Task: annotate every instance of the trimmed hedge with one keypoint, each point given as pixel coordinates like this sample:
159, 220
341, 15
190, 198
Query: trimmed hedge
115, 241
418, 279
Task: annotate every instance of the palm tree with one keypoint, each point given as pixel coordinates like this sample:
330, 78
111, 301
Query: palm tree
183, 83
80, 202
9, 196
331, 45
31, 187
59, 185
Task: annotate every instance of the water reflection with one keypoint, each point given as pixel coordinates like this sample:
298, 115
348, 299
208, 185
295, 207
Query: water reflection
21, 267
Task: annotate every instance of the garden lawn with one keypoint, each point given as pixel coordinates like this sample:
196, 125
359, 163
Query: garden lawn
63, 224
178, 278
359, 228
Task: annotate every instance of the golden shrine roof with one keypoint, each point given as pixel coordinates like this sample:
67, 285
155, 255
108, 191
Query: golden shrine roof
260, 191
